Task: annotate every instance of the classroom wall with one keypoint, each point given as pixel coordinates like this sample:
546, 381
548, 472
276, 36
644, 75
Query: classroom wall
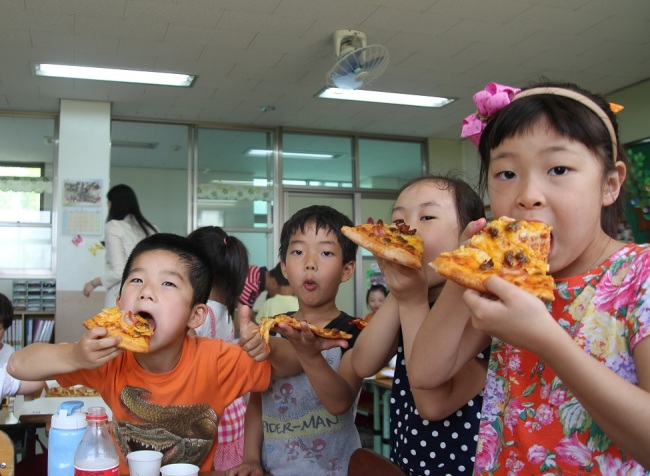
454, 157
634, 120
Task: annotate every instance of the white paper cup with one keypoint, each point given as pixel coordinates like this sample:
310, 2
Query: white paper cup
144, 463
179, 469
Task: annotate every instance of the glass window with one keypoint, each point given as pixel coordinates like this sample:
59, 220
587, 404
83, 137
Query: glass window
25, 249
387, 164
258, 245
153, 160
311, 160
22, 193
234, 187
26, 171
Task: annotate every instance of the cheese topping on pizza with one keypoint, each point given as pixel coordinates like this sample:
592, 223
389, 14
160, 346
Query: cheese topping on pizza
129, 323
398, 234
515, 250
134, 330
512, 245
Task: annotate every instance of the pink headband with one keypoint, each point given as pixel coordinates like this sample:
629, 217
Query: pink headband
497, 96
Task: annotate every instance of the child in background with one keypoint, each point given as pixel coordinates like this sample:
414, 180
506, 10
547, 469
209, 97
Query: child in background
6, 319
229, 263
374, 298
568, 386
254, 293
177, 391
432, 431
305, 424
10, 386
283, 300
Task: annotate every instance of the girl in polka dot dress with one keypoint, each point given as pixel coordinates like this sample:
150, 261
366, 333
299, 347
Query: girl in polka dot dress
568, 384
433, 432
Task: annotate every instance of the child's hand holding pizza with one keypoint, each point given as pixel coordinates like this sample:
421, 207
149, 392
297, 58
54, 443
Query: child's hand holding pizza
305, 341
404, 282
335, 336
95, 348
513, 315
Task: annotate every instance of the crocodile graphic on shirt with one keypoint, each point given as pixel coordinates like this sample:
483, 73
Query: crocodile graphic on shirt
182, 433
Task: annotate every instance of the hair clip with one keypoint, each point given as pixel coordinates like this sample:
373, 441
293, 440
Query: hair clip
616, 108
488, 102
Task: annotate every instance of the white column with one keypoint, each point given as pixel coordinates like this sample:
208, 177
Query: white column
84, 153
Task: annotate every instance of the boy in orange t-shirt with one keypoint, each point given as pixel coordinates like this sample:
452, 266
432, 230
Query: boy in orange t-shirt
170, 398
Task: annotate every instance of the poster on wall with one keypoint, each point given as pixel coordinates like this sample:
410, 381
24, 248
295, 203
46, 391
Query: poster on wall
82, 207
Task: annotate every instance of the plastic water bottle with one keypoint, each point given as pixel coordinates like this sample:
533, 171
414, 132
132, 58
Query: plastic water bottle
68, 426
96, 454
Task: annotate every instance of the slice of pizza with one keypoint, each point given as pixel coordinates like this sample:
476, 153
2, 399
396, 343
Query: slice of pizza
515, 250
395, 243
134, 329
268, 323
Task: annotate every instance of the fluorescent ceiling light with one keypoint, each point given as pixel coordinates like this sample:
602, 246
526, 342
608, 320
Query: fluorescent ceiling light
385, 98
293, 155
134, 145
108, 74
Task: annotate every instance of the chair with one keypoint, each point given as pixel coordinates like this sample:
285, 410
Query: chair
365, 462
6, 455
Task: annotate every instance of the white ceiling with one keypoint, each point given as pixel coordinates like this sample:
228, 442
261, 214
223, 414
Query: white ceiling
250, 53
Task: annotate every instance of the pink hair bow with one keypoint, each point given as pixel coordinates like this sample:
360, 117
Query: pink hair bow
488, 102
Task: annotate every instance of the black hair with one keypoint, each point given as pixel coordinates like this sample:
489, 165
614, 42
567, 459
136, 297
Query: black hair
228, 260
376, 287
570, 119
469, 206
322, 217
198, 267
124, 203
6, 312
276, 273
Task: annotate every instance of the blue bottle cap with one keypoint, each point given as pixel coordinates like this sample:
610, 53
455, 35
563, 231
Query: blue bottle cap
69, 416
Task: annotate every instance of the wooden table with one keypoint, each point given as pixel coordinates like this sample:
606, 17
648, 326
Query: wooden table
381, 390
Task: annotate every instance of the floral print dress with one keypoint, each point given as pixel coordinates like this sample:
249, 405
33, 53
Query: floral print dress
531, 423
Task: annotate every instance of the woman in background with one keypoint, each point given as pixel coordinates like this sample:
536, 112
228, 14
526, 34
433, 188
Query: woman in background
125, 227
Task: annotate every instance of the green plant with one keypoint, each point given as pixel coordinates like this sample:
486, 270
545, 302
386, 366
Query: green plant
639, 182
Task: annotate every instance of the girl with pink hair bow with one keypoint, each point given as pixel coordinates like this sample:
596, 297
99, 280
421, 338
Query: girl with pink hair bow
568, 384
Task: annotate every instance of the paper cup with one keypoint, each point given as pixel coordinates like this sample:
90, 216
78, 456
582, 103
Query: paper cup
179, 469
144, 463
